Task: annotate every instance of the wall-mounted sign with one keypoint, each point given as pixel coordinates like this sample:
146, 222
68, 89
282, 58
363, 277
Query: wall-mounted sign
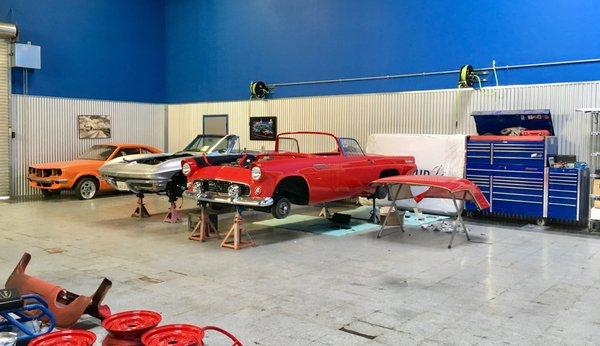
263, 128
94, 126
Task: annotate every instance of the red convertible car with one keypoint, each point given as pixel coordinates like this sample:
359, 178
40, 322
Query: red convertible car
325, 170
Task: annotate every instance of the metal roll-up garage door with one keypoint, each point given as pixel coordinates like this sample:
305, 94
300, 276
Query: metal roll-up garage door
4, 119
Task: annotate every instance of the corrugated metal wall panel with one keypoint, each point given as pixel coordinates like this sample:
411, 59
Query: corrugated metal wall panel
4, 119
405, 112
47, 130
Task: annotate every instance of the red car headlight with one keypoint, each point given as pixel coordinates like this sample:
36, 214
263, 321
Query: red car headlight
256, 173
188, 167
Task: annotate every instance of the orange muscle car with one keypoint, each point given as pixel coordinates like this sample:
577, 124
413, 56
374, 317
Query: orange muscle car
81, 175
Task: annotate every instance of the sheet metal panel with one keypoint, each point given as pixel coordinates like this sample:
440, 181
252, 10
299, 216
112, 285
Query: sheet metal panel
47, 130
435, 112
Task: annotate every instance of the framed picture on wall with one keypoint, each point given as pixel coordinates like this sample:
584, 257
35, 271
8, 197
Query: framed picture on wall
263, 128
94, 126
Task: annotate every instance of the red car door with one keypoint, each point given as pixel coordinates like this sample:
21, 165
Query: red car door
356, 170
355, 174
321, 176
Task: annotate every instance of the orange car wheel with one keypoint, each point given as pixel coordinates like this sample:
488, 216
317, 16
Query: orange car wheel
86, 188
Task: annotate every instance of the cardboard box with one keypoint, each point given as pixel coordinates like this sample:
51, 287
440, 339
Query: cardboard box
385, 212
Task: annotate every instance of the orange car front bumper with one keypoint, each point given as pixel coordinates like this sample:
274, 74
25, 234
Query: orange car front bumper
48, 183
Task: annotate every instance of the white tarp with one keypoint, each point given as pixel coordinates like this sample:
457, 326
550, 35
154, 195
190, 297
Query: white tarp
434, 155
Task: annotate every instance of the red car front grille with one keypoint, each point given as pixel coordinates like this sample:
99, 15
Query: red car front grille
221, 186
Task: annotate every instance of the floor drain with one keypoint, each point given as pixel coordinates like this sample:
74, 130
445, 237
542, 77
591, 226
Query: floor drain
354, 332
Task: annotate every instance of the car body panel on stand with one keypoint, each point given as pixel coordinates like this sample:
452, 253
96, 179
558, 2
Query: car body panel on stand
302, 178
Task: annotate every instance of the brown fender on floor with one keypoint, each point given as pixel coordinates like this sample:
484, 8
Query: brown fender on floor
66, 306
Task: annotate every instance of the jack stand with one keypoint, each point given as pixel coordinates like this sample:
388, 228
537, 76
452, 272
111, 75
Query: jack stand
325, 212
204, 227
374, 216
173, 216
140, 210
235, 232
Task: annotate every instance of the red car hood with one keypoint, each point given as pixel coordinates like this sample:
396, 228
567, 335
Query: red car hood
439, 187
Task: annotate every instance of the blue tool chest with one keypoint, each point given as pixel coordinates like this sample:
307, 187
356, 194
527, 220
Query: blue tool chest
513, 173
567, 193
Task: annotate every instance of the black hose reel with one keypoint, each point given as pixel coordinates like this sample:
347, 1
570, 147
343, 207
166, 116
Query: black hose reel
259, 90
466, 76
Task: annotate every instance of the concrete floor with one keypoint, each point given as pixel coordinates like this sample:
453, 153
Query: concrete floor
512, 286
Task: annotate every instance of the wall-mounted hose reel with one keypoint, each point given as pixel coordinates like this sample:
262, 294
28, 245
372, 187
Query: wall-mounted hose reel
469, 78
466, 76
259, 90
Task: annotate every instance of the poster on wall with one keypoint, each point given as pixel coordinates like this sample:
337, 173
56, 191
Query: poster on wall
94, 126
263, 128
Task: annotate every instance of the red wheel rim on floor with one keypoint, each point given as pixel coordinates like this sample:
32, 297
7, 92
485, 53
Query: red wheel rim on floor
174, 335
65, 338
131, 324
182, 335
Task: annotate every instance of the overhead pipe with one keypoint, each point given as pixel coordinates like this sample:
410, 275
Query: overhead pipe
436, 73
8, 31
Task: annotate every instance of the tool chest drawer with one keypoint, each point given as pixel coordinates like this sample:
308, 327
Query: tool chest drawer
479, 153
510, 189
518, 191
510, 153
518, 153
567, 193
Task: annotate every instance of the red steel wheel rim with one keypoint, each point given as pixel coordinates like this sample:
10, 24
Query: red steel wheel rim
174, 335
65, 338
131, 324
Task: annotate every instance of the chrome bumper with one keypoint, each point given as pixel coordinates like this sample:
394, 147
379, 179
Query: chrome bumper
226, 199
138, 185
47, 180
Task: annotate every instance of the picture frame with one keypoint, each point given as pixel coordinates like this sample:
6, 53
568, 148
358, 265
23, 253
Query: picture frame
94, 126
263, 128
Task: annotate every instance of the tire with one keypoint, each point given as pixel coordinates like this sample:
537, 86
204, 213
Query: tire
381, 192
86, 188
281, 208
50, 193
541, 222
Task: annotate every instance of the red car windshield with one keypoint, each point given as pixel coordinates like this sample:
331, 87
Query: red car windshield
309, 143
318, 144
98, 152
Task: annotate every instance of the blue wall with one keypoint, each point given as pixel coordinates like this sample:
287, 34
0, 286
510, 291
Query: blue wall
215, 48
207, 50
102, 49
